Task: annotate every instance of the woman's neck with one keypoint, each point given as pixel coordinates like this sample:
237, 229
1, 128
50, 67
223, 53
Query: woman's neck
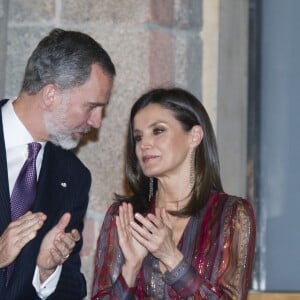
172, 197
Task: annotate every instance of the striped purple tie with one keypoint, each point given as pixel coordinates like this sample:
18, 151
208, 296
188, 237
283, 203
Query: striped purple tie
24, 191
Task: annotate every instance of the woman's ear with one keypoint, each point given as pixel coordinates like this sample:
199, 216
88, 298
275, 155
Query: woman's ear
196, 135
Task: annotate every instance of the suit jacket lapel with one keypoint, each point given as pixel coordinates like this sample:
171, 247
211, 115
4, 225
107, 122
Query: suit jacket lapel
4, 188
50, 193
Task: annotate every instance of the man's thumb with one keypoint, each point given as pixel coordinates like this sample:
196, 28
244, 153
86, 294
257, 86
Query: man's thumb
64, 221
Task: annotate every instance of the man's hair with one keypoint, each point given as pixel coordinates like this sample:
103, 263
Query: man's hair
64, 58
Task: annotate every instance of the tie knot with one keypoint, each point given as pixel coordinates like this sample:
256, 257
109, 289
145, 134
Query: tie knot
33, 150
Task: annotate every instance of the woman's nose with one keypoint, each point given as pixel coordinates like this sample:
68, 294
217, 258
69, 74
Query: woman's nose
146, 143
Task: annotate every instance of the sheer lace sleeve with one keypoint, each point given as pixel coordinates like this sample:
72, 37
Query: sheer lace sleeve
223, 266
108, 281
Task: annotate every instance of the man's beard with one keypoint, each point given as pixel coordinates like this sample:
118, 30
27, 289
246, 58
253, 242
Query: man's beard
58, 132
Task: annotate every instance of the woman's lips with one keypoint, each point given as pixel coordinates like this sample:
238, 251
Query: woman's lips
147, 158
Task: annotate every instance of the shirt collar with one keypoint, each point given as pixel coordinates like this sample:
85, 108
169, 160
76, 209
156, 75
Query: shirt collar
15, 133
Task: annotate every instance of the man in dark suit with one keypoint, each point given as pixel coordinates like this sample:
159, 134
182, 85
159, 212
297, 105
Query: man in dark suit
67, 83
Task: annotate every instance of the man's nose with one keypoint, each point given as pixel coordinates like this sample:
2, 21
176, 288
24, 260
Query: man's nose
96, 118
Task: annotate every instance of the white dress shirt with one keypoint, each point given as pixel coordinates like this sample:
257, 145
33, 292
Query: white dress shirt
16, 138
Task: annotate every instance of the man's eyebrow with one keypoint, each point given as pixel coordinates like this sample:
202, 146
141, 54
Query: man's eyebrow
96, 104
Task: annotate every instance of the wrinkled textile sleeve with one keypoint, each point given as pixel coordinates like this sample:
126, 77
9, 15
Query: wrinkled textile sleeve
224, 266
108, 281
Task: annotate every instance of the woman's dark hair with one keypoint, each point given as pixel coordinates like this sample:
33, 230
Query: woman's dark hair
64, 58
189, 111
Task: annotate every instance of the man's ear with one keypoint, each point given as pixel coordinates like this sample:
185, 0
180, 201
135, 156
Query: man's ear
50, 96
196, 135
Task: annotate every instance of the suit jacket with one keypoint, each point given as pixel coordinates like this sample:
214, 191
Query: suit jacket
63, 186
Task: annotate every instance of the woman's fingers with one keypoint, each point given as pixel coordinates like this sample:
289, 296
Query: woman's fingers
151, 222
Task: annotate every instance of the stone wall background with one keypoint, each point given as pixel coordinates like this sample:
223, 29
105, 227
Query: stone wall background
200, 45
151, 43
3, 39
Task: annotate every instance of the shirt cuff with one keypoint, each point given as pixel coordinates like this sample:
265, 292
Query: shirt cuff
46, 288
184, 279
123, 288
177, 273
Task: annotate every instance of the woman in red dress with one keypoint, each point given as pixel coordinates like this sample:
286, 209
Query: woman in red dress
177, 235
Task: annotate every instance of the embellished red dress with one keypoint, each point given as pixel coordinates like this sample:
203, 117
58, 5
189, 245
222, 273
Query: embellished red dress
218, 247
